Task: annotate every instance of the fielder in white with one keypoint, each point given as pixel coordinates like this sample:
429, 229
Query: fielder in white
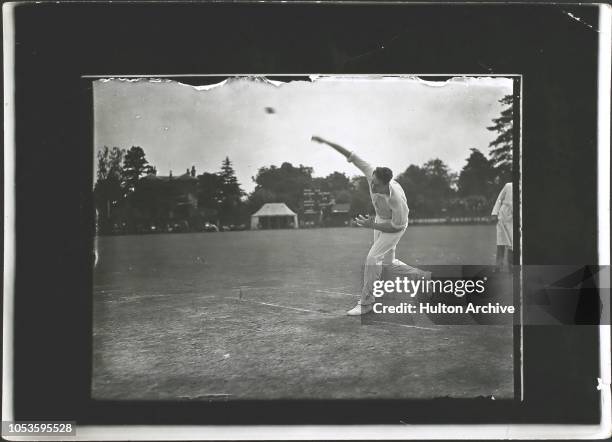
503, 211
389, 224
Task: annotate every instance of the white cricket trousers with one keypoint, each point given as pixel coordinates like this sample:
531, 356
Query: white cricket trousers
381, 253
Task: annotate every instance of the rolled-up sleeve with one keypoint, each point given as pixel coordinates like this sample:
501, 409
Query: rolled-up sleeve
365, 167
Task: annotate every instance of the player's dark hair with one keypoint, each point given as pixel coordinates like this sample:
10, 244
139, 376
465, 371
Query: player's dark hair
384, 174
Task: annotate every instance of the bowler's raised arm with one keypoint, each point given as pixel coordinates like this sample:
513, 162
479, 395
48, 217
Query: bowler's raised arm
339, 148
361, 164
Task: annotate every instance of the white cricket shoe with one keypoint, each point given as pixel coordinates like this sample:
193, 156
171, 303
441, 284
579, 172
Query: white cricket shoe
360, 309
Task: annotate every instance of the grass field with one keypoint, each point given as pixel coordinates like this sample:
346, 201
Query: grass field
261, 314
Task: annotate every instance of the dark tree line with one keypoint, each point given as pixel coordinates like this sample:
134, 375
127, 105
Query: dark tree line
130, 197
501, 147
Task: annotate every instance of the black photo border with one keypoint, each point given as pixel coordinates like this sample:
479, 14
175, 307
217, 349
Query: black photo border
59, 43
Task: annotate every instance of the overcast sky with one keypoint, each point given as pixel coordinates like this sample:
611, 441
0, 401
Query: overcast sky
391, 122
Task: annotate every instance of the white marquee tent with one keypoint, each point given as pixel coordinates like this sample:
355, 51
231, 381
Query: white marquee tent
274, 216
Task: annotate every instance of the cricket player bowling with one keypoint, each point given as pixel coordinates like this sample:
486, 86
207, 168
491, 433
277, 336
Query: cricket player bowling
389, 224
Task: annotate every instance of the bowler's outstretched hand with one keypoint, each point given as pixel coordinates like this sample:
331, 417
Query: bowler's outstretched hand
337, 147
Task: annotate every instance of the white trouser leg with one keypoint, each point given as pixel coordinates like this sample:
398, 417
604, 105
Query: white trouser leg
381, 252
389, 257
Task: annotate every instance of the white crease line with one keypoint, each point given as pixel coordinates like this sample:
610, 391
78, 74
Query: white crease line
331, 314
289, 308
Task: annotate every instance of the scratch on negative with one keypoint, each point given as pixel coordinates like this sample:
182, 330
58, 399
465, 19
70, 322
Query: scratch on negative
578, 19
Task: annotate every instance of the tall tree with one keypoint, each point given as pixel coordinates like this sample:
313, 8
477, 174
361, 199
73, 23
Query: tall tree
439, 178
477, 176
109, 163
108, 187
230, 193
428, 188
135, 165
501, 147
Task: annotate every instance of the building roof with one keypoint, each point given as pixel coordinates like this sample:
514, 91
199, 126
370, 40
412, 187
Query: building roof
186, 176
274, 209
152, 177
341, 208
183, 177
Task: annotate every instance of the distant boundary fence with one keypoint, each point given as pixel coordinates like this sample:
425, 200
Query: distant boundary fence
453, 220
465, 220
